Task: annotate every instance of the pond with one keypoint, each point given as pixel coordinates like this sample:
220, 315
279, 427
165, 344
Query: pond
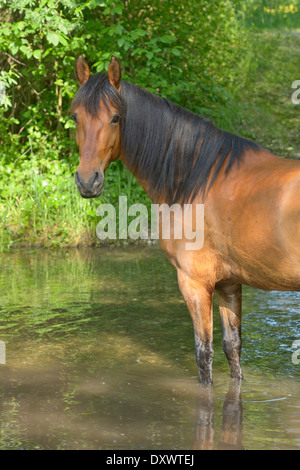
99, 354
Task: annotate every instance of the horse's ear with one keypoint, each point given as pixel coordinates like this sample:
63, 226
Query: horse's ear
82, 70
114, 72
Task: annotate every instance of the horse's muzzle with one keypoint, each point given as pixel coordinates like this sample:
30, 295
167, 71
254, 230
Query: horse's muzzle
92, 187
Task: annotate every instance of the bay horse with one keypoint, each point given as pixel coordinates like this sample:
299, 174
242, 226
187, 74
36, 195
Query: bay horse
251, 198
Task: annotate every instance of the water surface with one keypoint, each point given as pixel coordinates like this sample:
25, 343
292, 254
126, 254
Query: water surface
100, 355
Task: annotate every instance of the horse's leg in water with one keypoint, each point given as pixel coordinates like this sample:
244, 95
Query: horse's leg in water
230, 304
198, 297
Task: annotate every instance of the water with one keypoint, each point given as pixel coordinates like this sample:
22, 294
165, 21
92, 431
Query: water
100, 355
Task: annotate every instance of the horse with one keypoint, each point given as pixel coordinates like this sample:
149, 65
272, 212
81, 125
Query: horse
251, 198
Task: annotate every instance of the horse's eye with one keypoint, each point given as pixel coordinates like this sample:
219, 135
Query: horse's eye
115, 119
74, 117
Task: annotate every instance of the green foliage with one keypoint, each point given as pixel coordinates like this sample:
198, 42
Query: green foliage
198, 54
171, 48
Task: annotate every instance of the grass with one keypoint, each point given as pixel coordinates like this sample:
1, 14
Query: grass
269, 116
41, 206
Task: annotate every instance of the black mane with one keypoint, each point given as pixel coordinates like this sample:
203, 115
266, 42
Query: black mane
176, 151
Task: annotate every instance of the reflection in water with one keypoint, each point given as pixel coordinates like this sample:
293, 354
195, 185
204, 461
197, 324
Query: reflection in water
100, 355
232, 425
232, 419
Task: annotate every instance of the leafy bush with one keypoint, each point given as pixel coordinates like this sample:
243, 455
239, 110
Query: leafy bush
198, 54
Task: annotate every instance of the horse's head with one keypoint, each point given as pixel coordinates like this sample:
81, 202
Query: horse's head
96, 109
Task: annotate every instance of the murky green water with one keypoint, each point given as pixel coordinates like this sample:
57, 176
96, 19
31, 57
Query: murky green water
100, 355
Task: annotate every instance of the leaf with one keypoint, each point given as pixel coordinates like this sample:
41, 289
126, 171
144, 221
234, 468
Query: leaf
167, 39
47, 52
127, 45
53, 38
63, 39
59, 82
119, 29
43, 3
24, 49
81, 7
5, 31
37, 54
176, 52
14, 49
118, 9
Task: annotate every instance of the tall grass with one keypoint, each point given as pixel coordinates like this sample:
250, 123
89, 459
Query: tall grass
273, 14
41, 206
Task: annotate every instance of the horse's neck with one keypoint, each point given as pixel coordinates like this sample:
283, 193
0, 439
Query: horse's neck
143, 181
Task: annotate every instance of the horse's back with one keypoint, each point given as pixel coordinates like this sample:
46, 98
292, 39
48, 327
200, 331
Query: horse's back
255, 222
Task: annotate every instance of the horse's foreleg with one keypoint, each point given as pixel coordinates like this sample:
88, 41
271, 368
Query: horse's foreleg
198, 297
230, 301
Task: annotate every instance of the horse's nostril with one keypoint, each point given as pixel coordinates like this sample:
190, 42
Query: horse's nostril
92, 185
97, 180
77, 179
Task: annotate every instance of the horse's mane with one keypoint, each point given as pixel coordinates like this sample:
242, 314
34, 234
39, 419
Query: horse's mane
176, 151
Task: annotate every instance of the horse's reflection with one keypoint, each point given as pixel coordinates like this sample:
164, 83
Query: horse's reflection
231, 436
